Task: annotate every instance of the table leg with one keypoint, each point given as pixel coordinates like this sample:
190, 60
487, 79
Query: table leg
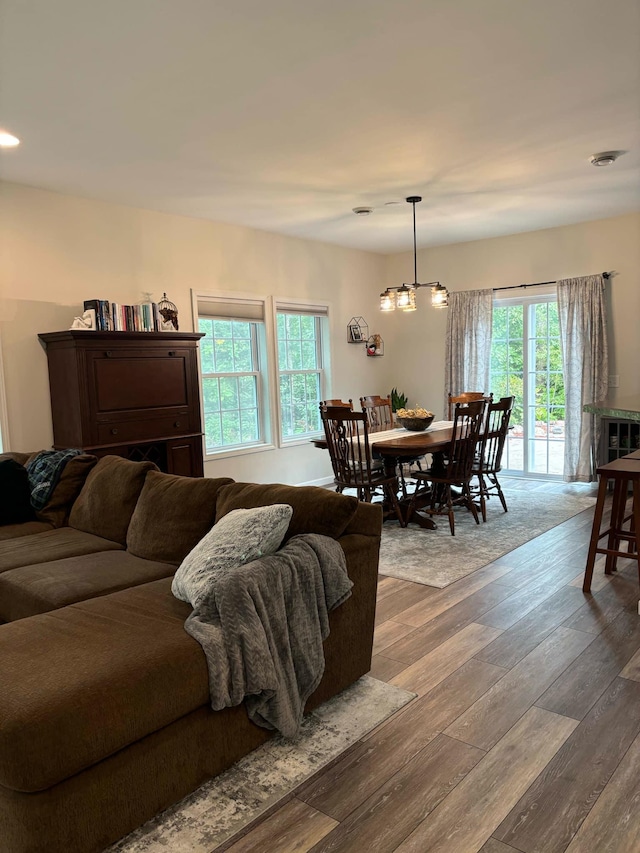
424, 521
390, 467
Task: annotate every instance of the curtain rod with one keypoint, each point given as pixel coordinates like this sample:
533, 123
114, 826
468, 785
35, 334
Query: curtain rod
539, 283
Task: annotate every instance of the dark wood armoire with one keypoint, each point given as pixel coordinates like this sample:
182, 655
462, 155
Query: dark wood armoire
131, 394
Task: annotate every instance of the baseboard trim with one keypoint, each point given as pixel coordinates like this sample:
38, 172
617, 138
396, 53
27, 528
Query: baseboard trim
324, 481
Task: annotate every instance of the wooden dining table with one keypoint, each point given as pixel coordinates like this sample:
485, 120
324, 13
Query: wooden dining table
407, 444
395, 446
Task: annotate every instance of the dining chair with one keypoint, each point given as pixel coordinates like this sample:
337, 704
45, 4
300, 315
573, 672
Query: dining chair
379, 413
347, 405
488, 461
380, 416
376, 464
347, 435
454, 470
466, 397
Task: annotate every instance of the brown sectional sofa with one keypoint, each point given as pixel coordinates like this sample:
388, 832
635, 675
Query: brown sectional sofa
56, 512
104, 702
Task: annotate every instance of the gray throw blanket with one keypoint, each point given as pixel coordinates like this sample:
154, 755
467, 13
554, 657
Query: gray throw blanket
262, 626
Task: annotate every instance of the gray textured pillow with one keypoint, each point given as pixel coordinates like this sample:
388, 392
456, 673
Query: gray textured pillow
240, 537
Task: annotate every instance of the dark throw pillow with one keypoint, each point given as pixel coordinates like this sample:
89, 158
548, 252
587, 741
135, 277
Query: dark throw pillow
15, 494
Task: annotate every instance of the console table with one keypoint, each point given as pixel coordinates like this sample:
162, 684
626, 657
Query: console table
131, 394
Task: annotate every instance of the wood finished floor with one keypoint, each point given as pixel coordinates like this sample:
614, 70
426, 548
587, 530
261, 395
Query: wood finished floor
525, 736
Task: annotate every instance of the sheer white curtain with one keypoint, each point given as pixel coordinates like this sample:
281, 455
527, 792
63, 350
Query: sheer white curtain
583, 333
468, 343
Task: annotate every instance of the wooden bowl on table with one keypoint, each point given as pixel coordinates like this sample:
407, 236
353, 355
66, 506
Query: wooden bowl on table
415, 424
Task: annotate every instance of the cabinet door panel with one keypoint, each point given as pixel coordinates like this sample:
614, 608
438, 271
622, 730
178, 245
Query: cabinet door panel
130, 381
184, 457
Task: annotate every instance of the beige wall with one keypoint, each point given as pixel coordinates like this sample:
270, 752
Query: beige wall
58, 250
574, 250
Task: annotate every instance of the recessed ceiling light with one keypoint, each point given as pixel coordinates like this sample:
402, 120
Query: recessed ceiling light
8, 140
391, 203
362, 211
605, 158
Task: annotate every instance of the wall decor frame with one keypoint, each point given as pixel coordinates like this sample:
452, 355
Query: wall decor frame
375, 346
357, 331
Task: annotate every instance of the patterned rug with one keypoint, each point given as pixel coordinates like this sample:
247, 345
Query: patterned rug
436, 558
222, 807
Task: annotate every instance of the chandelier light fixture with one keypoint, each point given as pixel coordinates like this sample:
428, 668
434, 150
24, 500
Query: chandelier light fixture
404, 297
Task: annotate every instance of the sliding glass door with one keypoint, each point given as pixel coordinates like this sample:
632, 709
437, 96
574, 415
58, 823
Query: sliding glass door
526, 362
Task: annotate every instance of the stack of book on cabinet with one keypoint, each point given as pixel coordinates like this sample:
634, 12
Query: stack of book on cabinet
113, 317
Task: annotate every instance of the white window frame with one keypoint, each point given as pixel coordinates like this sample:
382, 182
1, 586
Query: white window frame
264, 385
322, 312
239, 374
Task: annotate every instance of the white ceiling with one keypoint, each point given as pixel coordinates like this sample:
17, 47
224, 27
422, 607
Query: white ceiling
285, 114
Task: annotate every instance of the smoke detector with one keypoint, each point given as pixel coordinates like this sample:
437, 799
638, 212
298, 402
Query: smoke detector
362, 211
605, 158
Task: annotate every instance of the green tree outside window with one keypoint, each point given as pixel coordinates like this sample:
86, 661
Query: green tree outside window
299, 347
230, 383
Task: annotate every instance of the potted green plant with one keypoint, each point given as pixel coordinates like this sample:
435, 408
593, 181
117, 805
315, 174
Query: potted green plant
398, 400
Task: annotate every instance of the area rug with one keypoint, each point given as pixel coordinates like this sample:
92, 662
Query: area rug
222, 807
436, 558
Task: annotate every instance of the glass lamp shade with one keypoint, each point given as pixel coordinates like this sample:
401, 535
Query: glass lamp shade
439, 296
411, 305
388, 300
403, 297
